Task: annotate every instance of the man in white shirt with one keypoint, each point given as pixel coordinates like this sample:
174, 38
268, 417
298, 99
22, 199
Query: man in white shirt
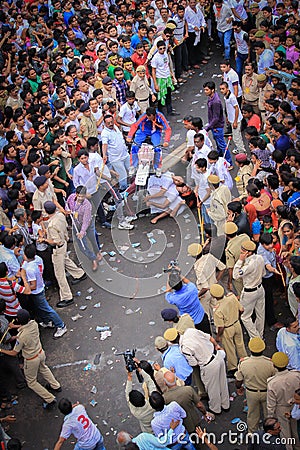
232, 78
234, 117
115, 150
196, 26
162, 78
128, 112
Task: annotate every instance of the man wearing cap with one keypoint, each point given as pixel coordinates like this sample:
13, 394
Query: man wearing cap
243, 175
201, 349
57, 237
265, 90
219, 199
43, 194
256, 15
181, 323
250, 87
250, 268
280, 390
227, 321
88, 123
205, 269
254, 372
172, 357
28, 342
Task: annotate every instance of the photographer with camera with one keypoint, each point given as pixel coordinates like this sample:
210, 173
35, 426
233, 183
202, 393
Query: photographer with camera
182, 293
138, 405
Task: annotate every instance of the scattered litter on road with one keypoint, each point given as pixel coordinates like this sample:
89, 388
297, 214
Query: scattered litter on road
129, 311
108, 279
135, 244
137, 310
150, 255
93, 403
176, 137
195, 102
97, 359
105, 328
97, 305
74, 318
158, 275
90, 290
202, 107
151, 323
201, 74
88, 297
87, 367
109, 362
179, 121
112, 253
170, 244
105, 335
152, 240
112, 259
83, 307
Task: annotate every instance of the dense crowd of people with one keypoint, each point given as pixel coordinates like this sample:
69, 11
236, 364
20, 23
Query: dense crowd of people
84, 87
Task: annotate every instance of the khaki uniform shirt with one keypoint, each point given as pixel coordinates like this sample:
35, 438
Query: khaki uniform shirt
185, 322
250, 89
251, 271
57, 228
242, 178
90, 126
141, 88
281, 388
227, 310
233, 249
187, 398
28, 340
219, 200
261, 98
205, 269
40, 198
255, 371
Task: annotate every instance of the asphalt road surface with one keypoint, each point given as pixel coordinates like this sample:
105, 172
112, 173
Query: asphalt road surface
128, 297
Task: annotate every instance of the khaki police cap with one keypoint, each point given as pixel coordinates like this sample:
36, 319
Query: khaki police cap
214, 179
160, 342
194, 249
256, 345
248, 245
216, 290
171, 334
261, 77
280, 360
230, 228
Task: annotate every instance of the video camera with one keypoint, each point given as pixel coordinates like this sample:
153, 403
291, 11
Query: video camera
130, 364
173, 268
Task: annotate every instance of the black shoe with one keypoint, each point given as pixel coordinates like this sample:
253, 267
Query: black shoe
49, 406
64, 303
230, 373
77, 280
49, 388
173, 113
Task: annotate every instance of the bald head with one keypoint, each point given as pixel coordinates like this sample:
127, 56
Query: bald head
123, 438
170, 378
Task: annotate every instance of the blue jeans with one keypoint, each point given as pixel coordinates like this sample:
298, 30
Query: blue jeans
218, 134
91, 236
225, 40
187, 446
139, 138
99, 446
44, 310
122, 167
239, 64
206, 218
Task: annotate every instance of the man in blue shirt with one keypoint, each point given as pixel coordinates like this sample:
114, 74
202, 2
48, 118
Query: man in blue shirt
140, 36
288, 342
172, 357
294, 200
185, 297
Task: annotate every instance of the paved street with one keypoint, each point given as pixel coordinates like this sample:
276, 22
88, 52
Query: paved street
129, 287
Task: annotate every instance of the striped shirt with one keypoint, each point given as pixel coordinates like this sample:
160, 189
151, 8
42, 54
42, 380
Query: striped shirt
8, 293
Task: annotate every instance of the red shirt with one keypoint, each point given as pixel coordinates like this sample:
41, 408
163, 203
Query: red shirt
140, 61
254, 122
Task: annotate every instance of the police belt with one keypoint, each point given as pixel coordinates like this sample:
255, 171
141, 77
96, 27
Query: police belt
252, 289
58, 246
29, 359
256, 390
228, 326
143, 99
211, 359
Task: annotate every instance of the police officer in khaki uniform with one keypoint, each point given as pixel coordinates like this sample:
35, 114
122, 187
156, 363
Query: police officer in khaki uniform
57, 236
229, 331
28, 341
219, 199
206, 267
251, 268
281, 388
254, 372
232, 252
